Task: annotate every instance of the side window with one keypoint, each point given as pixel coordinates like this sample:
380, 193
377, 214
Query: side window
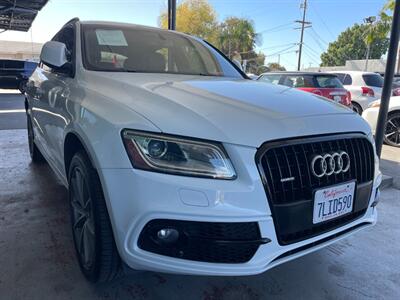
341, 76
347, 80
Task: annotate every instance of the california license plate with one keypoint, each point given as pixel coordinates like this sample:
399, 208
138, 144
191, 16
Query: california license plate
337, 99
333, 202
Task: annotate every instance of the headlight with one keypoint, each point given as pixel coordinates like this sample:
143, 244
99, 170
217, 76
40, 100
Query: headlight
168, 154
376, 103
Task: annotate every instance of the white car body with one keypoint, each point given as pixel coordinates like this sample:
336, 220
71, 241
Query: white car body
371, 114
240, 114
355, 88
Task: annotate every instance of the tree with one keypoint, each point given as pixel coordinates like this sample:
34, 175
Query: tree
275, 67
195, 17
236, 35
351, 44
237, 39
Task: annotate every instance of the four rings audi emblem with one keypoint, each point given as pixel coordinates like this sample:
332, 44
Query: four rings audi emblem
330, 163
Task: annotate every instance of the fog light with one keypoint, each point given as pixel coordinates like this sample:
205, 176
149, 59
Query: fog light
377, 198
168, 235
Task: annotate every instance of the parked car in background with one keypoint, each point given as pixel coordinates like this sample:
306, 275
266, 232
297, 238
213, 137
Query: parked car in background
176, 162
365, 87
395, 84
14, 74
322, 84
392, 130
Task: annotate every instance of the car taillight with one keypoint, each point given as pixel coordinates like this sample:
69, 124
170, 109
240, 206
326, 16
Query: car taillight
348, 97
366, 91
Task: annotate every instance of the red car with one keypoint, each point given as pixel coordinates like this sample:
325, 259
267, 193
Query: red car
323, 84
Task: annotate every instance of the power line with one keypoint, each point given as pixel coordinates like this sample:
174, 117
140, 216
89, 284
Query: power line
322, 21
276, 28
265, 48
310, 56
318, 42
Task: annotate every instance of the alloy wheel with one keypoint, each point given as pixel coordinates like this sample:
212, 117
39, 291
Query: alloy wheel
82, 219
392, 131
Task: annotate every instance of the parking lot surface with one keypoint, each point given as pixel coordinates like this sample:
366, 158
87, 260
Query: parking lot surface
37, 258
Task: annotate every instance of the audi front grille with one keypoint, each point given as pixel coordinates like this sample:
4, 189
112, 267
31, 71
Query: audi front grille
290, 183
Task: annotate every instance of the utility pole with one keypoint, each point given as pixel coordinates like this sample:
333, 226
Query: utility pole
370, 21
303, 22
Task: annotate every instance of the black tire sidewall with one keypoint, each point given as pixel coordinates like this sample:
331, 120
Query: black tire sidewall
80, 160
358, 107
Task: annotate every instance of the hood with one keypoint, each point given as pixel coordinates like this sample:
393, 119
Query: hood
236, 111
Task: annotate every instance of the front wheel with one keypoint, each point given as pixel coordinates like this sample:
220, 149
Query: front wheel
392, 130
93, 237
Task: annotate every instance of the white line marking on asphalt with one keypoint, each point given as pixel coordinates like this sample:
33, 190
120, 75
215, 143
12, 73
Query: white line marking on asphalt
11, 111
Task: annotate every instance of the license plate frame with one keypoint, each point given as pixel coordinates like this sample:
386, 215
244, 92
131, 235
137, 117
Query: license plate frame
333, 197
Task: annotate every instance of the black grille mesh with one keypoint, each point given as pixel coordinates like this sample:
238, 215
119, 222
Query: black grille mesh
204, 241
293, 160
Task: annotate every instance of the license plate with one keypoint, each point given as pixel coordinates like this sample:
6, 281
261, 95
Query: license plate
337, 99
333, 202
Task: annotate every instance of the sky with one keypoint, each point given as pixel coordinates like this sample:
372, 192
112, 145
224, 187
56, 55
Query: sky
273, 19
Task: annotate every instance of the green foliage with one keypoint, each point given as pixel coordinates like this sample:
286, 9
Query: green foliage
235, 37
195, 17
352, 44
275, 67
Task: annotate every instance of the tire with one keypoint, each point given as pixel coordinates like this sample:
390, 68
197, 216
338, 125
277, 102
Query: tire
392, 130
91, 228
22, 86
34, 152
357, 108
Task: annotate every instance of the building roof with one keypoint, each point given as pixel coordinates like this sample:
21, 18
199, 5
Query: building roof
19, 14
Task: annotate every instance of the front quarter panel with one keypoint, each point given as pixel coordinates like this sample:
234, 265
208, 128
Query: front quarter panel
98, 121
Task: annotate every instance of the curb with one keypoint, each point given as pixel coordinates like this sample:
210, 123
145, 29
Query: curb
387, 181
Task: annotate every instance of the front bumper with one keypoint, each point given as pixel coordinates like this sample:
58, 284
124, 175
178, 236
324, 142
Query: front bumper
139, 197
371, 116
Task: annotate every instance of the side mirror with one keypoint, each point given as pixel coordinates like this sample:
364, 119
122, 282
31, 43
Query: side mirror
237, 63
54, 54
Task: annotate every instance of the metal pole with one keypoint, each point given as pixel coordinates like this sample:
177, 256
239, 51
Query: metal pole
169, 14
173, 14
387, 85
302, 34
366, 60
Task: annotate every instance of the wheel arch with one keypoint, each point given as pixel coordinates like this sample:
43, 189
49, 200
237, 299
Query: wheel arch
395, 111
73, 143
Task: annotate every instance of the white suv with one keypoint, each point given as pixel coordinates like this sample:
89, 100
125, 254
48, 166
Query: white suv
364, 87
176, 162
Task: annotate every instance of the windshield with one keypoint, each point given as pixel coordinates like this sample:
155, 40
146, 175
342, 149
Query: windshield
327, 81
130, 49
374, 80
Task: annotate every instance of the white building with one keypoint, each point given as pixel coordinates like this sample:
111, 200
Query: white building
374, 65
20, 50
